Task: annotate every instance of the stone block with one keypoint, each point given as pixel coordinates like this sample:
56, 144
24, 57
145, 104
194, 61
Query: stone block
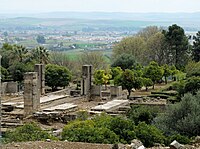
115, 91
176, 145
96, 90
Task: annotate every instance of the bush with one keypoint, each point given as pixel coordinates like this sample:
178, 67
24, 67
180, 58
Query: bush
181, 139
124, 128
149, 135
82, 115
192, 85
142, 114
179, 87
182, 117
85, 131
28, 132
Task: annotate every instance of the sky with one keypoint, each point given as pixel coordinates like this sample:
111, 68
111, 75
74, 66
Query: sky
36, 6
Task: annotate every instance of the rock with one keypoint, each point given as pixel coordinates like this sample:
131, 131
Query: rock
137, 144
119, 146
176, 145
16, 145
141, 147
115, 146
158, 145
48, 140
128, 146
197, 139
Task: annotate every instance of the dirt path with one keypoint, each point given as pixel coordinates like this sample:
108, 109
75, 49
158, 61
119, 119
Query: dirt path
55, 145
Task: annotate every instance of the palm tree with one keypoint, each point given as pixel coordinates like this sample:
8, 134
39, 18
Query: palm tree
20, 53
41, 55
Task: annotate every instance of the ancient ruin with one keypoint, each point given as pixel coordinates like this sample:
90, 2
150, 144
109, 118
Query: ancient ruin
62, 105
31, 93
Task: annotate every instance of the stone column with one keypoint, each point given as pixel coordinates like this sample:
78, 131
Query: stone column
86, 82
31, 93
40, 69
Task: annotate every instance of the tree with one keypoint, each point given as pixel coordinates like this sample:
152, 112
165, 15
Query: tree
7, 55
17, 71
128, 81
3, 73
96, 59
40, 55
116, 71
124, 61
166, 72
135, 46
148, 32
157, 49
102, 77
57, 76
40, 39
147, 82
196, 47
174, 71
192, 69
178, 45
154, 72
21, 53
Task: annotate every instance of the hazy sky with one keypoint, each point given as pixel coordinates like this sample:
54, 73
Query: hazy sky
31, 6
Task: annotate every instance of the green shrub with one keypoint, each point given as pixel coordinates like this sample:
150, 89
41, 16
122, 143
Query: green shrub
182, 117
149, 135
179, 87
28, 132
180, 138
142, 114
85, 131
124, 128
82, 115
192, 85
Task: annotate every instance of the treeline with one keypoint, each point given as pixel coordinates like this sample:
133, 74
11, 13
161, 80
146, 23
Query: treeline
169, 46
17, 59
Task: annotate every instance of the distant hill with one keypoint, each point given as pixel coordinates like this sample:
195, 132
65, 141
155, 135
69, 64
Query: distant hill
112, 16
101, 20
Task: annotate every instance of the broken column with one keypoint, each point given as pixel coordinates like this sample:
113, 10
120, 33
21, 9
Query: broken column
86, 82
40, 69
31, 93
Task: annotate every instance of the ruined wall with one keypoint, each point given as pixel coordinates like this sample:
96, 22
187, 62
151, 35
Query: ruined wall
9, 87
